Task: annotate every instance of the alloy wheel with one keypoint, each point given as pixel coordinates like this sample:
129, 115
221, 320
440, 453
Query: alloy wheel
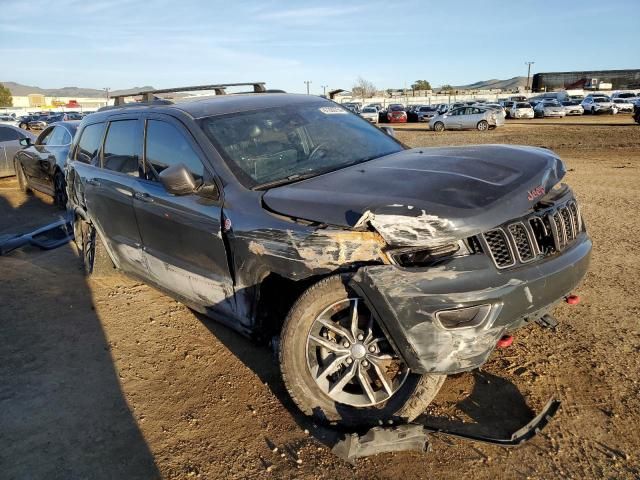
350, 358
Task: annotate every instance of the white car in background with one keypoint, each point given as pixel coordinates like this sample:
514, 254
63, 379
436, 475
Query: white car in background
572, 107
8, 120
521, 110
597, 104
549, 108
622, 105
370, 114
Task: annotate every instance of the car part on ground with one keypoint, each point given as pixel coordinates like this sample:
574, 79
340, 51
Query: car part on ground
415, 437
47, 237
258, 207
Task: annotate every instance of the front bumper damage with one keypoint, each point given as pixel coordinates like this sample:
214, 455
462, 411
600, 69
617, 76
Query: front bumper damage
406, 300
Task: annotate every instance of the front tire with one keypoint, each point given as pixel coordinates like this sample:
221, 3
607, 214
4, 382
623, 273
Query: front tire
23, 184
338, 365
438, 127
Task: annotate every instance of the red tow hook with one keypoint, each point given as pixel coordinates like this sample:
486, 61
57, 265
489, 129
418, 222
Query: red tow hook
572, 299
505, 341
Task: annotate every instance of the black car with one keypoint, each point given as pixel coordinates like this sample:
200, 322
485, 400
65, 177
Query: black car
375, 270
40, 165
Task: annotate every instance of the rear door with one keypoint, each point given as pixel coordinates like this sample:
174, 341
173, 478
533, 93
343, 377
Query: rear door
108, 162
182, 235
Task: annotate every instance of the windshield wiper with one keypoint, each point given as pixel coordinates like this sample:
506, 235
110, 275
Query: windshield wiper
286, 180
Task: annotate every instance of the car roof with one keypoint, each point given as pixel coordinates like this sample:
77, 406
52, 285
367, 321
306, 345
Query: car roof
221, 104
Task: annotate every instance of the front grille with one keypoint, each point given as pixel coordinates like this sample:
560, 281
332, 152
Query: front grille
539, 235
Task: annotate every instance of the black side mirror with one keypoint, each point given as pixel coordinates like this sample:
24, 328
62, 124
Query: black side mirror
177, 180
25, 142
389, 131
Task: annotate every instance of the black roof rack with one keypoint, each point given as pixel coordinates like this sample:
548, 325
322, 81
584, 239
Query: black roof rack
219, 89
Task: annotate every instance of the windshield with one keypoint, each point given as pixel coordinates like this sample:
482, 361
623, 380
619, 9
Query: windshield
626, 95
601, 99
523, 105
369, 110
396, 108
285, 144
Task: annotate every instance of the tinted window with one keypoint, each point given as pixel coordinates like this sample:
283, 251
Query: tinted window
60, 136
7, 134
122, 147
89, 143
167, 146
45, 137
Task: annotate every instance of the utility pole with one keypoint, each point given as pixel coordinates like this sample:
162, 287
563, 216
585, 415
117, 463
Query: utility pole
106, 91
528, 64
324, 89
307, 82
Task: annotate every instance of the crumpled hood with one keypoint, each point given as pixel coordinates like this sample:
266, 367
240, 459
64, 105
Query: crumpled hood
425, 196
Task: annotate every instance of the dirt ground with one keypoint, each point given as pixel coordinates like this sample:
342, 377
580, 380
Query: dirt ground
112, 379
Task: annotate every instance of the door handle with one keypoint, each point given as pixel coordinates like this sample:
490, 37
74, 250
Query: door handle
94, 182
143, 197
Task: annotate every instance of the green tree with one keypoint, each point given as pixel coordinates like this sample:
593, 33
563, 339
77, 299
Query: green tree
421, 85
6, 100
446, 88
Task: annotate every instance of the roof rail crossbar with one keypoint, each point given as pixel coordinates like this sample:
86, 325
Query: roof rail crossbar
219, 89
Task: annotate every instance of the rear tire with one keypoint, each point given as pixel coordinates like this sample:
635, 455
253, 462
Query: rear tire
59, 190
96, 261
438, 127
410, 393
483, 125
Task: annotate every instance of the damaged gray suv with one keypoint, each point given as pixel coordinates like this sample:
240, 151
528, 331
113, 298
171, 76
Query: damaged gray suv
376, 270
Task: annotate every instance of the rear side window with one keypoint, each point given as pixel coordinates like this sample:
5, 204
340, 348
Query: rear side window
89, 142
60, 136
7, 134
167, 146
122, 147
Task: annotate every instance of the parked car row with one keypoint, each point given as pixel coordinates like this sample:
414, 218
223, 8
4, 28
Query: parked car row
42, 120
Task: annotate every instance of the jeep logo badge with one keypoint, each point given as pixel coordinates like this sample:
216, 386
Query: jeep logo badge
536, 192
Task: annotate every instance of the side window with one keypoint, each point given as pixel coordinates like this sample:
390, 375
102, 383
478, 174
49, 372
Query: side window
58, 136
122, 147
7, 134
167, 146
89, 143
45, 137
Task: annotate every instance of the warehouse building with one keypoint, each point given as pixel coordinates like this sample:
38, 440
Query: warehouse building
587, 80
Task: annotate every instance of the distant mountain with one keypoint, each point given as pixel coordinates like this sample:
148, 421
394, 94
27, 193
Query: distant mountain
20, 90
510, 84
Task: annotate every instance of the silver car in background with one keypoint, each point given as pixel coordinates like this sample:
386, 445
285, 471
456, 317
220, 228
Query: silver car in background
521, 110
10, 137
572, 107
466, 118
370, 114
622, 105
549, 108
597, 104
426, 112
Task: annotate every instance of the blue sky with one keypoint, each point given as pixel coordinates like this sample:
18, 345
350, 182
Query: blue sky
164, 43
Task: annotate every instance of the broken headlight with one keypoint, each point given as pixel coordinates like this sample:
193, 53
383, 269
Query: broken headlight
422, 257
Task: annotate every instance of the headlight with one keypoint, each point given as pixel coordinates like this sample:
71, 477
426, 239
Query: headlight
422, 257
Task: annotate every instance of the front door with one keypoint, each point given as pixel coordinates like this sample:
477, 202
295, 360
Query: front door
182, 235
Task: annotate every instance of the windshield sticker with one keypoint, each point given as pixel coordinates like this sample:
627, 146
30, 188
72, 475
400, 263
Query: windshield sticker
332, 110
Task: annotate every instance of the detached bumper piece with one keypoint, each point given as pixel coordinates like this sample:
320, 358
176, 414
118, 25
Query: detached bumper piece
48, 237
415, 437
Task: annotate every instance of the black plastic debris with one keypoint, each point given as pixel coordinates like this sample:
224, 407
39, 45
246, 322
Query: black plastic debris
50, 236
382, 440
415, 437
